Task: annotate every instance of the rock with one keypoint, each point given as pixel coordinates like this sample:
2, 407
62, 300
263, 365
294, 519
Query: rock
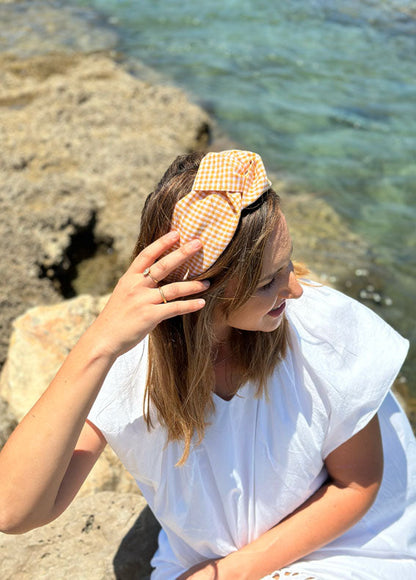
320, 236
42, 338
130, 563
86, 541
83, 143
29, 27
7, 422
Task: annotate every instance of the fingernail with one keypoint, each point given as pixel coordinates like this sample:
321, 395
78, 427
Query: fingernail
206, 283
173, 235
195, 244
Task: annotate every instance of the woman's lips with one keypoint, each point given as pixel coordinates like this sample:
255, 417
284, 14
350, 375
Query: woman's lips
277, 311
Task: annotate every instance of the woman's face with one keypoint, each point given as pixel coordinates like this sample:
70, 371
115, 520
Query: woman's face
264, 310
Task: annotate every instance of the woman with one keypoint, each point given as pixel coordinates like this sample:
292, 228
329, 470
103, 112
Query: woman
254, 419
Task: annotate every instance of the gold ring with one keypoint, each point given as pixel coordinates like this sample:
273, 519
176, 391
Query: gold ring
162, 294
147, 273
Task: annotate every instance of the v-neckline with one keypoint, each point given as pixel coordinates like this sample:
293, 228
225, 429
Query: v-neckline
237, 395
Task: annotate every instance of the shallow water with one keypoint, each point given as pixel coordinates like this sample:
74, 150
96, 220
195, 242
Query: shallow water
326, 91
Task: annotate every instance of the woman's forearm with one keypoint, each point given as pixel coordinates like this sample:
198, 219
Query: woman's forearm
355, 470
330, 512
36, 456
39, 455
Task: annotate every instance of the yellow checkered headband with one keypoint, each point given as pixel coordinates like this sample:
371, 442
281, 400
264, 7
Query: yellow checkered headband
225, 183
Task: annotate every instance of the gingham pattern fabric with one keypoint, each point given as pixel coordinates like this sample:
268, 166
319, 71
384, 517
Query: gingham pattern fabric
226, 183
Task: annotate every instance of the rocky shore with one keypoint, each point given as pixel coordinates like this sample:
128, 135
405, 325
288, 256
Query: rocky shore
83, 143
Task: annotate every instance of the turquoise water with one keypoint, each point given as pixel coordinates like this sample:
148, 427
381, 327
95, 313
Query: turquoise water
324, 90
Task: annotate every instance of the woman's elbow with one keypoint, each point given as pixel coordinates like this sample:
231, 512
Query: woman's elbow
11, 525
15, 521
371, 491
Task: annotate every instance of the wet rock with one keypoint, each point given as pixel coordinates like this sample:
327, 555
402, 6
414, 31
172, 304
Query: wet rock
29, 27
320, 236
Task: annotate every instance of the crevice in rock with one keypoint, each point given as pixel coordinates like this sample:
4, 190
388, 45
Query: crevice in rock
83, 246
203, 137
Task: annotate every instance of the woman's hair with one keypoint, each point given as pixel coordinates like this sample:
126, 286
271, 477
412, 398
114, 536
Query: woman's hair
182, 350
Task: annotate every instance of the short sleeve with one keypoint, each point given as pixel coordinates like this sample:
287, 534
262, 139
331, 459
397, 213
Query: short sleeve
349, 354
120, 400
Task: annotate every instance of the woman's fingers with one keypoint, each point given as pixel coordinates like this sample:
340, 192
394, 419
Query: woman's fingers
172, 293
166, 265
156, 249
179, 308
140, 300
153, 251
178, 290
158, 269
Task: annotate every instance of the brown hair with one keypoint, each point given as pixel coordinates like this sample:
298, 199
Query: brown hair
182, 349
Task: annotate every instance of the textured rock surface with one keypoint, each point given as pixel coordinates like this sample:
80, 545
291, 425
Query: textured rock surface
83, 142
35, 27
7, 421
42, 338
87, 541
320, 236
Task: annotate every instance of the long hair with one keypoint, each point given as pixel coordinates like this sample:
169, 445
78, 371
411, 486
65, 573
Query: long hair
180, 377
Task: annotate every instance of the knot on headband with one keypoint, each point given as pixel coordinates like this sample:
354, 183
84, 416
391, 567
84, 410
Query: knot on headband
225, 183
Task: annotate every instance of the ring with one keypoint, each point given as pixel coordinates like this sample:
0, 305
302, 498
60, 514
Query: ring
147, 273
162, 294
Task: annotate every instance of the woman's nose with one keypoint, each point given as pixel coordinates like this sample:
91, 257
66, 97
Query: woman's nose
292, 289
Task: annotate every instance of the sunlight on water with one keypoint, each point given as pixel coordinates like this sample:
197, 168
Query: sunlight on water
324, 90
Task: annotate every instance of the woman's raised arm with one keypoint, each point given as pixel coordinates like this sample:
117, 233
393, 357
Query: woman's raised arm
39, 471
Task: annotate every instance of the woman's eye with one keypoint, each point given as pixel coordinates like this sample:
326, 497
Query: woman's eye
268, 285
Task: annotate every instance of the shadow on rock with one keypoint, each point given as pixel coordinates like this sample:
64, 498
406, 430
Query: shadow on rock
132, 560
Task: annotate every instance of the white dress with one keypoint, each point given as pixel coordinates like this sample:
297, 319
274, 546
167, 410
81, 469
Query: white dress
260, 459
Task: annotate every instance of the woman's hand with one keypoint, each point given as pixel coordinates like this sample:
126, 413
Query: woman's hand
207, 570
227, 568
137, 304
355, 471
39, 472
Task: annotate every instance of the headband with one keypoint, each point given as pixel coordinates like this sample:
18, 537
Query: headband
225, 183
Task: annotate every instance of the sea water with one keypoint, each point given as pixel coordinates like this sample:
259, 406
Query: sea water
325, 90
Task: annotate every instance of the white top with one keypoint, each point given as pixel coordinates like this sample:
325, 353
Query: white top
260, 459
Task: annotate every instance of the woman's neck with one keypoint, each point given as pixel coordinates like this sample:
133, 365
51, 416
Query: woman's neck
227, 377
